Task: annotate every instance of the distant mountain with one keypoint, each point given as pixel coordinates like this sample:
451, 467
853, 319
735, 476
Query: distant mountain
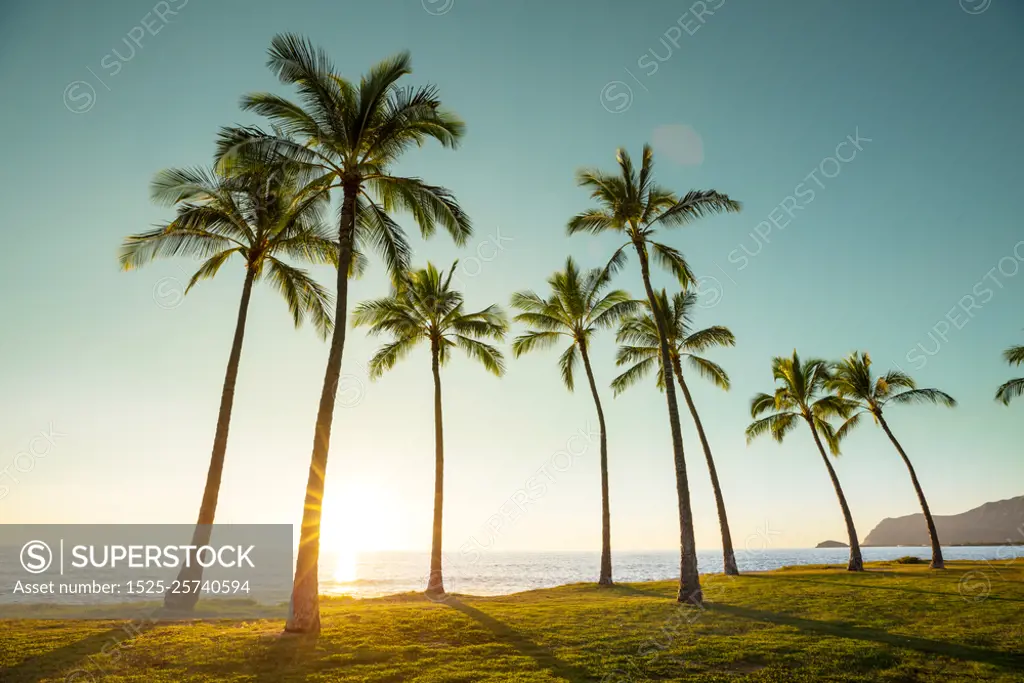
831, 544
991, 524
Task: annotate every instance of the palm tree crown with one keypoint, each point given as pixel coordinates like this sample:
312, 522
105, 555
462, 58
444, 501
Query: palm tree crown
631, 203
800, 394
638, 336
852, 379
261, 215
351, 135
424, 307
1015, 387
576, 308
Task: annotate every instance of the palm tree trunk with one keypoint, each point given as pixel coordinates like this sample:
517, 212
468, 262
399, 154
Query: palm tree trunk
435, 584
605, 578
304, 616
208, 508
933, 535
728, 556
689, 577
856, 563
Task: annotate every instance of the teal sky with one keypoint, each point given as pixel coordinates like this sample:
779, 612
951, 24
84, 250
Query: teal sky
750, 100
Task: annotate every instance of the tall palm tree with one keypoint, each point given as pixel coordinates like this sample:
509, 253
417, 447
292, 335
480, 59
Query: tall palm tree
640, 348
352, 134
634, 206
576, 308
800, 394
851, 379
424, 307
264, 217
1015, 387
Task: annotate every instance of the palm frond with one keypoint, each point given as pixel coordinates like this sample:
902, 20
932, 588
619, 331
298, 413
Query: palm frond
848, 426
140, 249
1014, 355
697, 204
489, 356
389, 354
489, 323
634, 374
777, 425
534, 340
376, 229
933, 396
567, 364
710, 371
429, 205
210, 267
762, 403
1010, 390
306, 298
672, 260
708, 338
829, 433
594, 221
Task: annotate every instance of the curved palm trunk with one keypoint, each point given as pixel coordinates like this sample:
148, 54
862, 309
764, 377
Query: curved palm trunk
856, 563
689, 577
304, 616
208, 508
933, 535
435, 585
728, 556
605, 578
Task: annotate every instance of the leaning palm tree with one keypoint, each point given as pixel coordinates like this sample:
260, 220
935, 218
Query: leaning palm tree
352, 134
424, 307
851, 379
634, 206
1015, 387
800, 394
264, 217
641, 349
576, 308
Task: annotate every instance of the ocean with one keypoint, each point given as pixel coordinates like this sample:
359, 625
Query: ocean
370, 575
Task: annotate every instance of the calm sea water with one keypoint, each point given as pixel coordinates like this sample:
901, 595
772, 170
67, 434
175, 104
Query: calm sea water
500, 573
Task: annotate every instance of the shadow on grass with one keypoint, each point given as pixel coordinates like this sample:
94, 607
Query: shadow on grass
840, 630
631, 589
87, 659
544, 657
288, 657
868, 586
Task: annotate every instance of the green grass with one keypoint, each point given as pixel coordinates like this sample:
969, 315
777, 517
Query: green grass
895, 622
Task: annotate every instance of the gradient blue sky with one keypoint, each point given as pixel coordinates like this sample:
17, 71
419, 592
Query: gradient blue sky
749, 101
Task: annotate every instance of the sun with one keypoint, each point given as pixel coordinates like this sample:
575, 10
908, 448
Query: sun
346, 565
359, 517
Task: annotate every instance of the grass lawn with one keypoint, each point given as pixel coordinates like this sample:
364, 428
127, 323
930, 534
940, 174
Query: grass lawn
892, 623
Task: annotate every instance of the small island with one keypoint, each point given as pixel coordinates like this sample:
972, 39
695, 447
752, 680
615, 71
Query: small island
831, 544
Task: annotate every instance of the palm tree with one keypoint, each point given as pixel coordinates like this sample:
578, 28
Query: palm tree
1015, 387
639, 336
576, 309
634, 206
799, 394
352, 134
424, 307
851, 379
263, 217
